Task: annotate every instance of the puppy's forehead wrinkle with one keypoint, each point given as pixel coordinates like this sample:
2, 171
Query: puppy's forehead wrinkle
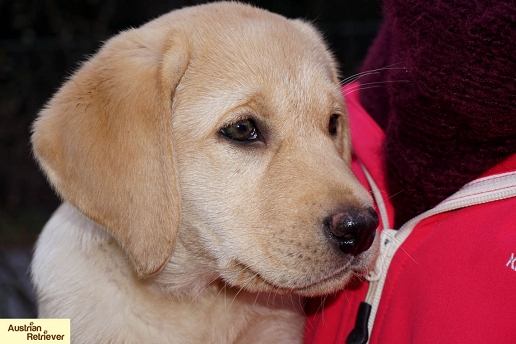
255, 45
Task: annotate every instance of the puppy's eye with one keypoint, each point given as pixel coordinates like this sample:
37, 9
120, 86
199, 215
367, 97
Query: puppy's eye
243, 130
333, 126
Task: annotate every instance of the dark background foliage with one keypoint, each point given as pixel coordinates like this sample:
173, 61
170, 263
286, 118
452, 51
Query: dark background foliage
43, 41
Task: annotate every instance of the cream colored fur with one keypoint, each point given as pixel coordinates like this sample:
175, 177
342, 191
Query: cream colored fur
170, 232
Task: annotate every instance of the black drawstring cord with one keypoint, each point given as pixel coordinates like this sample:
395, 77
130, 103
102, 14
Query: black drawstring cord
360, 334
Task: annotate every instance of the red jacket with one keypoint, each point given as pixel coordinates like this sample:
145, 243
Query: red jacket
446, 276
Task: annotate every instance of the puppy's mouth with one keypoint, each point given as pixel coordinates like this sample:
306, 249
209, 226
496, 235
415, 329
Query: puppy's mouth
247, 278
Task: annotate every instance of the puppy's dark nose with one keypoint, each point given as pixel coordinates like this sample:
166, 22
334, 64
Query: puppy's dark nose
353, 230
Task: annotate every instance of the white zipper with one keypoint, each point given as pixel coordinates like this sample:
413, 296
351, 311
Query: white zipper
483, 190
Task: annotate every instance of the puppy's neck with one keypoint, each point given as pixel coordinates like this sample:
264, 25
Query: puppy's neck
183, 276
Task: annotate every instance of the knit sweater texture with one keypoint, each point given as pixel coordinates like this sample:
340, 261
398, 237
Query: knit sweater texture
445, 95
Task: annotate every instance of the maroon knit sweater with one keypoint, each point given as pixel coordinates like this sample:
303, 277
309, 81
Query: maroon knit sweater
448, 106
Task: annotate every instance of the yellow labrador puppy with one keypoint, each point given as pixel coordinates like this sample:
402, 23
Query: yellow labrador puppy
203, 160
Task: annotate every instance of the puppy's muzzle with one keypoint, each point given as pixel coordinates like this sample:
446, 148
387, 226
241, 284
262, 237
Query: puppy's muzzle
352, 230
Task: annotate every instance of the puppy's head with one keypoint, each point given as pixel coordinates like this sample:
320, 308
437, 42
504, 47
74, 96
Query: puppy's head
224, 125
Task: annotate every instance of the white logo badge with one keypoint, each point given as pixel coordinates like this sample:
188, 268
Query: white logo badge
512, 262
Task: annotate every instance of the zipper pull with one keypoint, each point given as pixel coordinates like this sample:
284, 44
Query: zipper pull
360, 334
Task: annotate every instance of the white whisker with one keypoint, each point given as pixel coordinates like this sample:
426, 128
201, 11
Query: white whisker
357, 76
369, 85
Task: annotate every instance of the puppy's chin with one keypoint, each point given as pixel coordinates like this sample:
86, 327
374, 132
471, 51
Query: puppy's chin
246, 278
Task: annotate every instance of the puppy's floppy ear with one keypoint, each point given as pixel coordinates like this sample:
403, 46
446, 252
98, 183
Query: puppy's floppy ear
104, 141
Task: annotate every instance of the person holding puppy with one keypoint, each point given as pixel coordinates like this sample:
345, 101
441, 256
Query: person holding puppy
433, 123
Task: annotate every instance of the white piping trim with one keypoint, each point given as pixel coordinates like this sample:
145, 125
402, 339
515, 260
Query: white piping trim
378, 198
